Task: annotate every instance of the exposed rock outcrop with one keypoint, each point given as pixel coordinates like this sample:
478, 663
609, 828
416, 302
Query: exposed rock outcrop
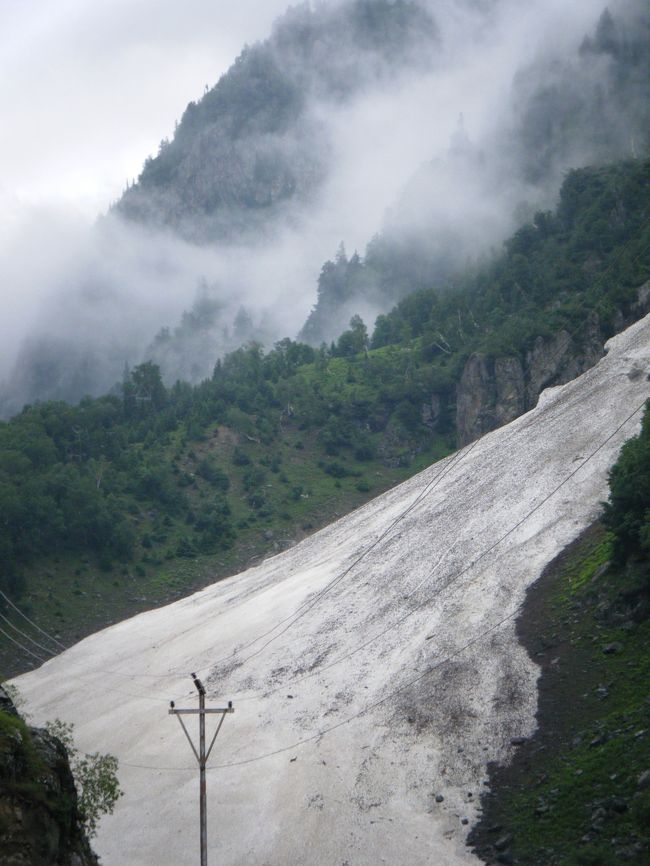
39, 817
491, 393
494, 391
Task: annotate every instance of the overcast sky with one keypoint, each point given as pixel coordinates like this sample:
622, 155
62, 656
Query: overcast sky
89, 87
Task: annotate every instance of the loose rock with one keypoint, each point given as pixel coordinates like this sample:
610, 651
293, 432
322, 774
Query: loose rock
644, 780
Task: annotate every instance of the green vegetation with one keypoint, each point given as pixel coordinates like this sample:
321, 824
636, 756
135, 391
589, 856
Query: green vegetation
587, 257
95, 777
249, 146
627, 514
127, 501
578, 793
45, 816
589, 108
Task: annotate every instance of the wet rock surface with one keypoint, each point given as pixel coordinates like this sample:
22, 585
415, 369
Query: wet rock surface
39, 817
493, 391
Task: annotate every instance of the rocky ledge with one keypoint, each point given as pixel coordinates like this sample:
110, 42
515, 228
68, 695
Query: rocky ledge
40, 824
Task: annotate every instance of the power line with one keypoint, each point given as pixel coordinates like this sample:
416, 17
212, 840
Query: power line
24, 634
455, 459
23, 648
308, 605
324, 731
454, 578
327, 730
428, 598
25, 617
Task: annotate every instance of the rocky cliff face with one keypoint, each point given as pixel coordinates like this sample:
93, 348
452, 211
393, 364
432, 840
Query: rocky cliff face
39, 818
495, 390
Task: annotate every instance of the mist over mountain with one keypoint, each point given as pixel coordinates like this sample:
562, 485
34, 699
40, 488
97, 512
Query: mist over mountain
583, 107
257, 146
419, 134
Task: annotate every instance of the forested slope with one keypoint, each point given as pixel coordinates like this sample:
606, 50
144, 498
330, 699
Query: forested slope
253, 151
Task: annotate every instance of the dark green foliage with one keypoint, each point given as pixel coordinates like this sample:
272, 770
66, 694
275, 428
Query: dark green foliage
214, 526
336, 470
155, 481
341, 282
143, 391
95, 777
293, 434
185, 548
245, 151
627, 514
67, 473
572, 794
588, 256
253, 478
354, 341
240, 458
215, 476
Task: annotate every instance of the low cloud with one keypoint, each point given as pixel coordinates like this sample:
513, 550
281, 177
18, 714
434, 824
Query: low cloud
400, 157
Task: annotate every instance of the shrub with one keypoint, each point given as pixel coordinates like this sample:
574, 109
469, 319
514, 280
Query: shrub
95, 777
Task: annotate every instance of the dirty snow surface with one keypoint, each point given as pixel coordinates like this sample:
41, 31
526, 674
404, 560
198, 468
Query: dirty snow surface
374, 668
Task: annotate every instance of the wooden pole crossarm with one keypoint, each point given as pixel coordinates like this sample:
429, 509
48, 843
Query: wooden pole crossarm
201, 755
175, 712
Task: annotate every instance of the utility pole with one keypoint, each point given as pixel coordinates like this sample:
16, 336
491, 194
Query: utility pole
202, 756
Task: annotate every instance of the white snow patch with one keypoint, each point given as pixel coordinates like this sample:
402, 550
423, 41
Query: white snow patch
380, 736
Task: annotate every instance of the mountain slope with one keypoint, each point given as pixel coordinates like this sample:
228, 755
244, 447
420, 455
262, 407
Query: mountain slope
399, 680
254, 147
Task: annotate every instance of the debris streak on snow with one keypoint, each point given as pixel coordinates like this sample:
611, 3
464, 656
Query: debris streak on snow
361, 693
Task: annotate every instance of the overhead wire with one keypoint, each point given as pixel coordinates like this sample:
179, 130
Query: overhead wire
395, 625
425, 601
431, 668
23, 634
456, 577
455, 458
322, 732
22, 647
31, 622
306, 606
294, 618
